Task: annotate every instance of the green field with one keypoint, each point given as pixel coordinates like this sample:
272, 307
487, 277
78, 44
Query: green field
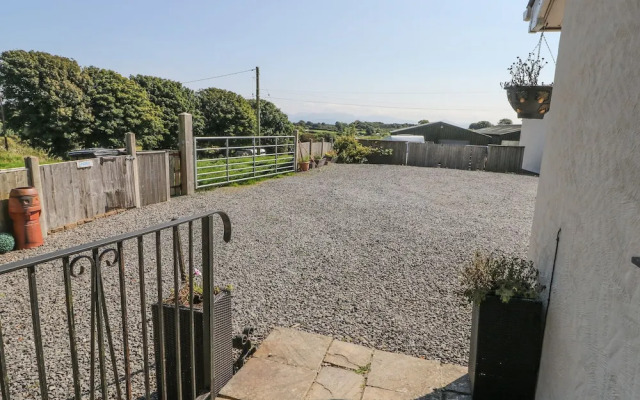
14, 157
214, 172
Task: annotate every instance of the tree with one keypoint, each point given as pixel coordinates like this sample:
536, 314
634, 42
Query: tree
226, 113
423, 121
119, 105
45, 101
480, 125
340, 126
505, 121
172, 99
272, 120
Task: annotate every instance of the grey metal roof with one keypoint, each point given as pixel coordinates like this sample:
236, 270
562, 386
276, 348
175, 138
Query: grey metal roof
499, 130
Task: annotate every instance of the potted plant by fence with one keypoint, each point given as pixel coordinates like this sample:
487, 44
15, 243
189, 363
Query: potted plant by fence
329, 155
506, 326
320, 162
528, 98
303, 163
221, 342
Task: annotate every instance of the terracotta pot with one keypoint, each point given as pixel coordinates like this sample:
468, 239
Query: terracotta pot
24, 210
531, 102
304, 165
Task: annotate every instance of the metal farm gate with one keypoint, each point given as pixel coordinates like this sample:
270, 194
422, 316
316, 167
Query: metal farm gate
220, 160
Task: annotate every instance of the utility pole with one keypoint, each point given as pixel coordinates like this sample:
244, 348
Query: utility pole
4, 124
258, 99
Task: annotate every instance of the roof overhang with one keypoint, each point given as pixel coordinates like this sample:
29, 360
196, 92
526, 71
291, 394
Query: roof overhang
544, 15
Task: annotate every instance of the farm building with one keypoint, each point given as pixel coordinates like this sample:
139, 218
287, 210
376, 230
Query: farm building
506, 135
443, 133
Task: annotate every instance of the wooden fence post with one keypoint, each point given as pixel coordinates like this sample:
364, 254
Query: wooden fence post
167, 168
33, 176
130, 143
322, 149
187, 162
310, 148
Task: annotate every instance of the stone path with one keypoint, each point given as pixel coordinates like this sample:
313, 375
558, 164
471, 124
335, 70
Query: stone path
291, 365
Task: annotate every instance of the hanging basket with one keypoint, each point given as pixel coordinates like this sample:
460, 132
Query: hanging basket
530, 102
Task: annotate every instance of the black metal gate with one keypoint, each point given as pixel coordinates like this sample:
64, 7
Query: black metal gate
108, 287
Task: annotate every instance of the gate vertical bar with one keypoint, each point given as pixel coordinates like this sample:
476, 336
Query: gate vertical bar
125, 320
37, 333
254, 157
66, 268
295, 151
176, 292
161, 350
207, 291
143, 313
4, 378
192, 341
276, 154
98, 318
227, 158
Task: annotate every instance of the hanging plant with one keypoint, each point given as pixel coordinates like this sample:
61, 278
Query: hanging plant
527, 97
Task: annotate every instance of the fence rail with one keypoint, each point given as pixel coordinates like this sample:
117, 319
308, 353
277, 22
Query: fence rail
110, 356
221, 160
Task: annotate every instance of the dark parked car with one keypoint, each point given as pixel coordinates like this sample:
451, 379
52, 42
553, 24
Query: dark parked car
94, 152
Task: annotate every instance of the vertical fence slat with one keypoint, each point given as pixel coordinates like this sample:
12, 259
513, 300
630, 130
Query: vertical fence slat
176, 291
143, 313
125, 320
161, 352
37, 332
66, 268
4, 378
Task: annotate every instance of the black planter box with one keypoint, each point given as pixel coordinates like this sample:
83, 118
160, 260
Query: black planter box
221, 342
506, 342
531, 102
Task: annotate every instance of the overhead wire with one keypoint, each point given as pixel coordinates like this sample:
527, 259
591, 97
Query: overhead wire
219, 76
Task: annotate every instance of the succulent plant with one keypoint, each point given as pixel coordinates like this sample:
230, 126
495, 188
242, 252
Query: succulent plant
7, 242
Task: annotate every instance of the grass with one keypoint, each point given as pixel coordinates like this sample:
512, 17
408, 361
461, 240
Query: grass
213, 172
363, 370
18, 150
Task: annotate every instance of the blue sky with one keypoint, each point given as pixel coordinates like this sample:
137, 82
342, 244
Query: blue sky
392, 61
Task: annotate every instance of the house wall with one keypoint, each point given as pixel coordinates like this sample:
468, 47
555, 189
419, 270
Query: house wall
533, 138
590, 188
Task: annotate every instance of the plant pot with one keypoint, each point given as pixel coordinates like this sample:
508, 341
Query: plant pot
303, 165
506, 342
221, 343
328, 158
321, 162
531, 102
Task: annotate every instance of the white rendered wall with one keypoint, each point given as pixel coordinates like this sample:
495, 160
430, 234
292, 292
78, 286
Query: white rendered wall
590, 187
532, 138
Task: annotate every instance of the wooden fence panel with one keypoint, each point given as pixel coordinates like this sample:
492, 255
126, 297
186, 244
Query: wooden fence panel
505, 158
417, 154
174, 173
398, 155
154, 177
9, 179
477, 156
73, 193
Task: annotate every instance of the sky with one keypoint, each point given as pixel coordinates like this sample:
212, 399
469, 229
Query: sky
324, 61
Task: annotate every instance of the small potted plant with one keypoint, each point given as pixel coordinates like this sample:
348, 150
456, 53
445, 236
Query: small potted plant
506, 325
303, 163
320, 162
528, 98
329, 155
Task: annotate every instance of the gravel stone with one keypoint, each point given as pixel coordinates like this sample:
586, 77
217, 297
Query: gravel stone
368, 254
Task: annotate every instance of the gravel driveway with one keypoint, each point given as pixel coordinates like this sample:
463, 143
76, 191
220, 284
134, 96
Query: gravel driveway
363, 253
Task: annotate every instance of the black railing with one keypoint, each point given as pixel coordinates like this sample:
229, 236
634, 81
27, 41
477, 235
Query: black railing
122, 251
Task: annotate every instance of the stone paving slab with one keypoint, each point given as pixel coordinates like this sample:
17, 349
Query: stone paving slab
295, 365
348, 355
268, 380
337, 383
296, 348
